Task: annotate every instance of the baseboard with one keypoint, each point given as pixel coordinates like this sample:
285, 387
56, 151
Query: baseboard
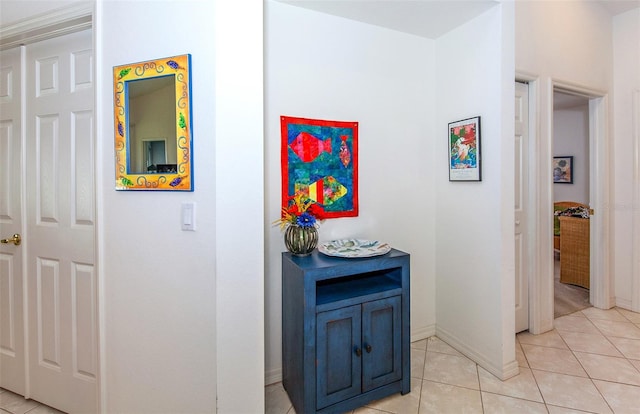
623, 303
503, 372
273, 376
423, 333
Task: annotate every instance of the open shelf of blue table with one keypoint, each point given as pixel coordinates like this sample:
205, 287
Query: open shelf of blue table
345, 327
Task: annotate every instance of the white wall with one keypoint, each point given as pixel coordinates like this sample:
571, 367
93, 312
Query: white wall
239, 153
325, 67
626, 59
183, 327
475, 305
571, 137
567, 42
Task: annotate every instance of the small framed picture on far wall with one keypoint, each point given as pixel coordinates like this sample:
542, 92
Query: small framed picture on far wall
563, 170
464, 150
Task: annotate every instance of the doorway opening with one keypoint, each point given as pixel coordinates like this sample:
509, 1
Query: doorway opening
539, 257
571, 274
598, 170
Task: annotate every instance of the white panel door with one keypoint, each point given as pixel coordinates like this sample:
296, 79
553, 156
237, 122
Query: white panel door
12, 351
521, 200
60, 216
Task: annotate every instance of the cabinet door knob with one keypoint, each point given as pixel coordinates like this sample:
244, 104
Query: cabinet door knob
367, 348
358, 351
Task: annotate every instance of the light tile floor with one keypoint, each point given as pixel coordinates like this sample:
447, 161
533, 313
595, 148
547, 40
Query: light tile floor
589, 363
16, 404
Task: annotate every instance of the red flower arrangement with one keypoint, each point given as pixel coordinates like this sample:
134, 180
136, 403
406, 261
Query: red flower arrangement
301, 211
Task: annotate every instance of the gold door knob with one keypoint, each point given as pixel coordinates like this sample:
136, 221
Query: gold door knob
16, 239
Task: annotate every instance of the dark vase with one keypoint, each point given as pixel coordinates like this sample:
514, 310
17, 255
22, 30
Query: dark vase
300, 241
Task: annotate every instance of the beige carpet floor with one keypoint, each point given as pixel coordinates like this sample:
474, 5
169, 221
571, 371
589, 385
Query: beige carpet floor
568, 298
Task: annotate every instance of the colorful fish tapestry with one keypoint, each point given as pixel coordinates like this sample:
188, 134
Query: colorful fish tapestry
320, 160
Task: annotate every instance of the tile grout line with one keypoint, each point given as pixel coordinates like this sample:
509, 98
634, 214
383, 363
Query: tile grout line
607, 337
480, 388
424, 364
510, 396
535, 380
585, 369
514, 397
579, 362
618, 349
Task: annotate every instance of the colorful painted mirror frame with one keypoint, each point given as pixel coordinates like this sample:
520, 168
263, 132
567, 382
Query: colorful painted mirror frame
182, 178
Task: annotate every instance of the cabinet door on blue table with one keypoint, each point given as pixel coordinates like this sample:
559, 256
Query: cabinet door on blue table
339, 365
381, 342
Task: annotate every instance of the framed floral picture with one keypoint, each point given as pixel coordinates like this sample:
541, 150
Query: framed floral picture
464, 150
563, 170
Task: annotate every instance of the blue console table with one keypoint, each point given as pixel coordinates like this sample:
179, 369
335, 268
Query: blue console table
345, 328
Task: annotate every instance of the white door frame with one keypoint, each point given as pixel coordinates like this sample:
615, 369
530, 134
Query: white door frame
635, 276
541, 287
523, 194
600, 292
59, 22
44, 26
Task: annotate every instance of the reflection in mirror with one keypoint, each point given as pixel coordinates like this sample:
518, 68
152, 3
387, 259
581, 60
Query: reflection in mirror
155, 153
151, 114
152, 125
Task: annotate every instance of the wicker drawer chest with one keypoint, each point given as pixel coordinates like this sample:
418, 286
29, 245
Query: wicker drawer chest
574, 251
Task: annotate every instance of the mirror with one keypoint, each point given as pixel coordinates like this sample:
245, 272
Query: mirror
152, 117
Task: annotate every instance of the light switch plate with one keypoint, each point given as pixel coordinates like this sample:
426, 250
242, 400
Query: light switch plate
188, 216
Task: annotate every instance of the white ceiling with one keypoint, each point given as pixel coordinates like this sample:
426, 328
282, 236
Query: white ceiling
425, 18
12, 11
619, 6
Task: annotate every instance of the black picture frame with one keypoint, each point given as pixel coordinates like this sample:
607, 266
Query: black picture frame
563, 169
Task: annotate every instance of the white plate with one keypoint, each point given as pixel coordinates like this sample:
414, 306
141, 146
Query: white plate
353, 248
